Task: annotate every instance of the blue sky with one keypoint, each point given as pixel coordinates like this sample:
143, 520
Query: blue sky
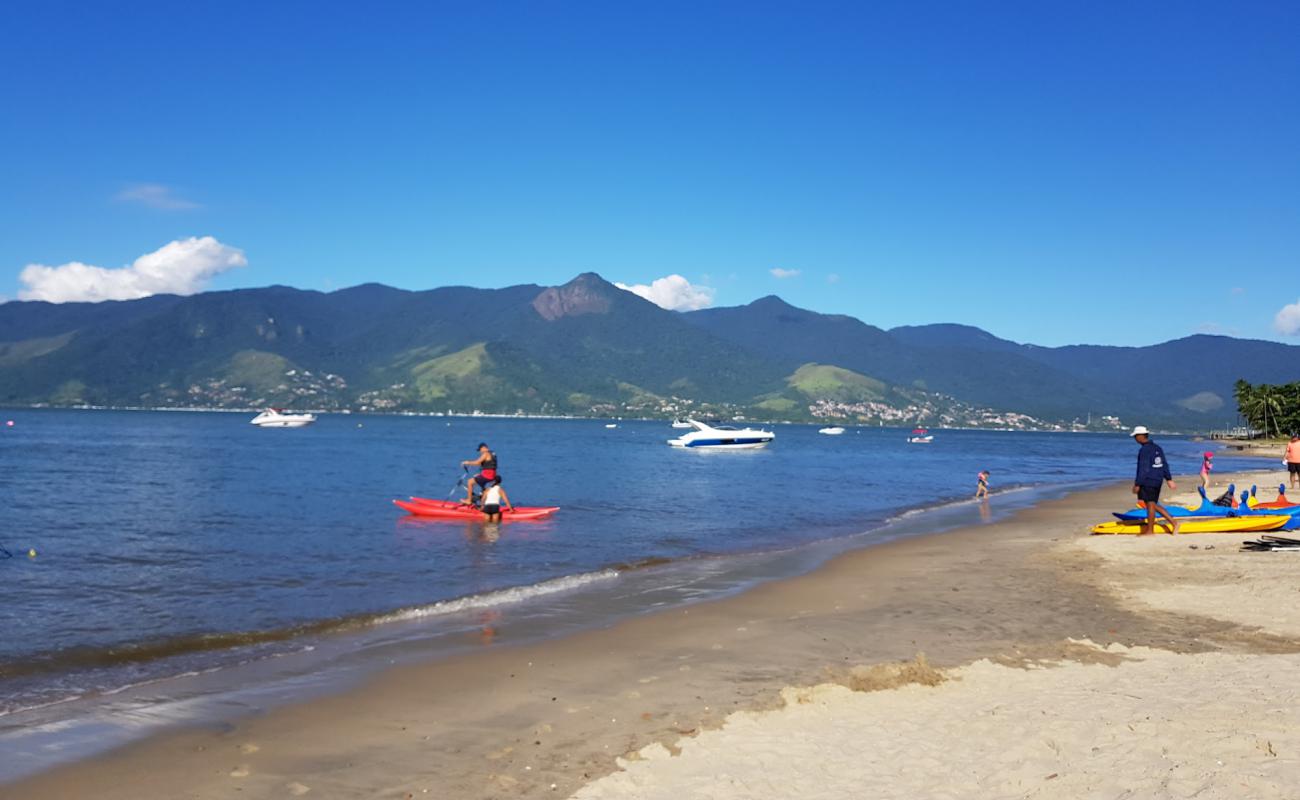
1118, 173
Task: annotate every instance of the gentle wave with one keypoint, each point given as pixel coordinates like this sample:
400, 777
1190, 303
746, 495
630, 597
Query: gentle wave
501, 597
72, 659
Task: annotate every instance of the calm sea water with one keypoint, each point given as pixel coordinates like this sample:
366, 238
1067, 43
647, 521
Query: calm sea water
194, 544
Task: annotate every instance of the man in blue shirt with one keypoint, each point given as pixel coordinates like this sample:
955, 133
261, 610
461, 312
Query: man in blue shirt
1152, 472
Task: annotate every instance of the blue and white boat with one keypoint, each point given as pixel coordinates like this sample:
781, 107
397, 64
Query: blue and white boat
722, 437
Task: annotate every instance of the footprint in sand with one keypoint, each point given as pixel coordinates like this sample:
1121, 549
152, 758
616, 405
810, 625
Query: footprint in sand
240, 771
298, 789
248, 748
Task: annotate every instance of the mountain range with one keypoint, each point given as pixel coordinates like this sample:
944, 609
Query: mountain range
588, 347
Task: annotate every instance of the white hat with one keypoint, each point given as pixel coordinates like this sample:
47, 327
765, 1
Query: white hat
1140, 431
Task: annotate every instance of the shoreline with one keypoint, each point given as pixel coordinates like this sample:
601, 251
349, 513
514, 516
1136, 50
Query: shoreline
1274, 449
520, 719
820, 421
84, 727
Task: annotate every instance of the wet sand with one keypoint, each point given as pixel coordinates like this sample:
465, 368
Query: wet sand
1271, 448
549, 719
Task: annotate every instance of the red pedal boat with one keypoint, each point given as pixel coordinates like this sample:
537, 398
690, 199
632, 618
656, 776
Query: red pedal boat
446, 509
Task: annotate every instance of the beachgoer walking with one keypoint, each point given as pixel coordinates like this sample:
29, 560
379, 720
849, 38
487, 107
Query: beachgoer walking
493, 498
1152, 472
487, 465
982, 485
1293, 459
1207, 464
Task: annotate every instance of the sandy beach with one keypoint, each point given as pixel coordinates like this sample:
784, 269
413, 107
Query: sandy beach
1018, 659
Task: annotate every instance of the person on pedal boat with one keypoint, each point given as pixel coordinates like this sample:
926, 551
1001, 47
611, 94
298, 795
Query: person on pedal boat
487, 465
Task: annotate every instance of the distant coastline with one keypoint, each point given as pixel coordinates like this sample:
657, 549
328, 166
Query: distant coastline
582, 417
589, 349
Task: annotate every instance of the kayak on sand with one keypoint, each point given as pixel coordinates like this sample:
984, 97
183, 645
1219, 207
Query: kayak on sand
445, 509
1246, 524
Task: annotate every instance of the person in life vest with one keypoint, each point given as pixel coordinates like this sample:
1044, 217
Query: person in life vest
487, 466
1152, 473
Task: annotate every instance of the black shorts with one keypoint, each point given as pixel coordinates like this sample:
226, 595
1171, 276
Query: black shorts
482, 480
1149, 494
492, 509
1293, 467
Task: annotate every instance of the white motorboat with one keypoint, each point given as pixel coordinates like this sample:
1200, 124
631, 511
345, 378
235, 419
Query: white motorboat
722, 437
611, 425
834, 430
681, 423
920, 436
277, 418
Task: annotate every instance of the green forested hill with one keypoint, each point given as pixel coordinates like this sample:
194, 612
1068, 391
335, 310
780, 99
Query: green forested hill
588, 347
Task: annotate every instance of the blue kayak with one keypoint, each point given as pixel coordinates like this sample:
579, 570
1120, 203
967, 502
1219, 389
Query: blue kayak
1209, 509
1206, 509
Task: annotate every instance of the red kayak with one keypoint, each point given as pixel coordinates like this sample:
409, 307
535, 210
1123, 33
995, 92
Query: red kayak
1280, 502
446, 509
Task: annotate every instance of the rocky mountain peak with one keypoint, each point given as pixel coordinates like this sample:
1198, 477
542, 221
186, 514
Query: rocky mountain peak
586, 294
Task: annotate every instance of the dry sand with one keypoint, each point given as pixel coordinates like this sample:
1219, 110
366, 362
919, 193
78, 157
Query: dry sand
1156, 725
990, 606
1110, 722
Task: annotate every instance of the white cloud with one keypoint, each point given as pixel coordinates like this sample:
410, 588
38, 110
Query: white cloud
777, 272
672, 292
154, 195
834, 277
182, 267
1287, 321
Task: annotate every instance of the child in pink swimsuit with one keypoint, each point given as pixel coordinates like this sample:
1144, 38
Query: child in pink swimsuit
1206, 465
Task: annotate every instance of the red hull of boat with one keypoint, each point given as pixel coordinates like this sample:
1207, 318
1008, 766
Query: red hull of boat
445, 509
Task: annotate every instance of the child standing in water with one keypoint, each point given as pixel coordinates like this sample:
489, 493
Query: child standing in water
1207, 464
493, 498
982, 488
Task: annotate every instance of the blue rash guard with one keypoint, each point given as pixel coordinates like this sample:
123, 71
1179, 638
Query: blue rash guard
1153, 469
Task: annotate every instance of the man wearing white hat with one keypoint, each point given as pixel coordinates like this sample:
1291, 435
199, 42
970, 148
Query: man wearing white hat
1152, 472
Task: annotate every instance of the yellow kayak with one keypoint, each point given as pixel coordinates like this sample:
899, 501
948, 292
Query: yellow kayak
1249, 524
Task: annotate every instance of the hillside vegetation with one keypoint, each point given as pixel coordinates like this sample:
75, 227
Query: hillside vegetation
588, 347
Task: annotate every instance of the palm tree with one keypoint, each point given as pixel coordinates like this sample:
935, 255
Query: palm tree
1244, 394
1268, 407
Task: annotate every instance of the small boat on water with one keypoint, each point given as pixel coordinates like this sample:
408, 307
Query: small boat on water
277, 418
713, 436
611, 425
920, 436
834, 430
447, 509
